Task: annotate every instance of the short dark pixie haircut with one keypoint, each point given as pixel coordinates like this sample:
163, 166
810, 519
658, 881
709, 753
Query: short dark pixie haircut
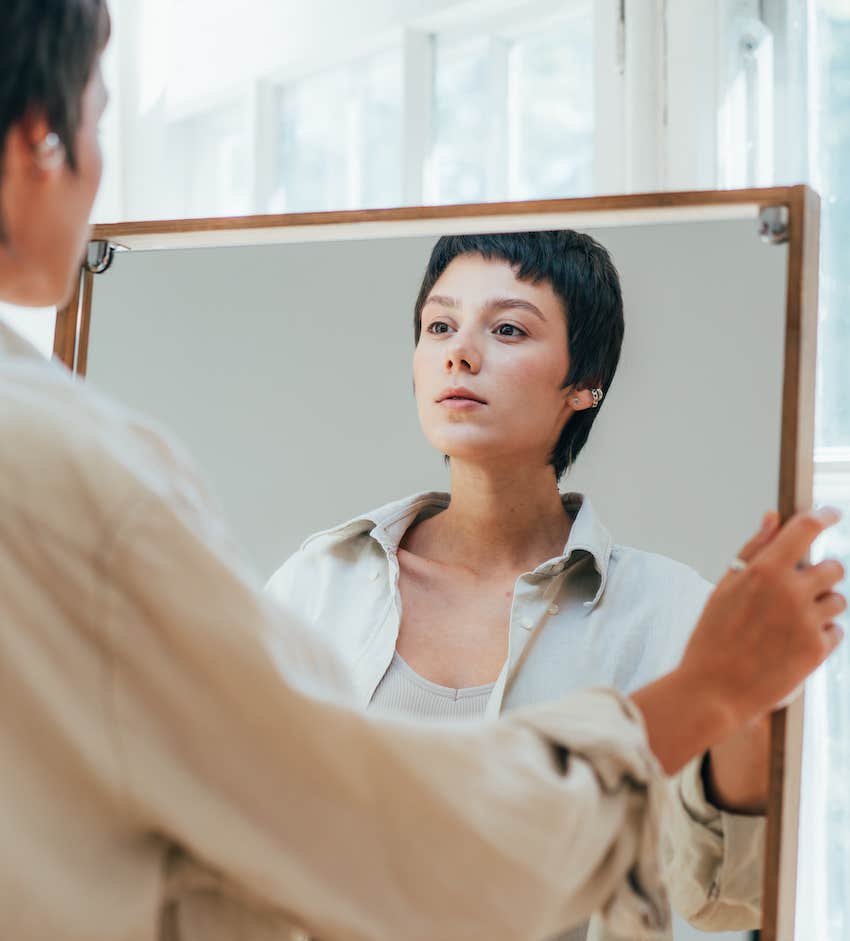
48, 49
584, 278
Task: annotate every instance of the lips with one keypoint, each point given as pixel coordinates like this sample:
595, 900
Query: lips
461, 394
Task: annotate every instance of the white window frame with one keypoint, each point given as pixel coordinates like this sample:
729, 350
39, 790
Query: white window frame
504, 21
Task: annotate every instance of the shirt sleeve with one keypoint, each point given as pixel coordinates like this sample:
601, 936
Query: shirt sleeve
714, 860
234, 748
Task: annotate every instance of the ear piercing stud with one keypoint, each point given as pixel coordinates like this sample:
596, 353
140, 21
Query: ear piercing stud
49, 153
597, 398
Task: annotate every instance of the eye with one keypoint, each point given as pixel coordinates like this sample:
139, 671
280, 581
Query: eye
438, 326
510, 330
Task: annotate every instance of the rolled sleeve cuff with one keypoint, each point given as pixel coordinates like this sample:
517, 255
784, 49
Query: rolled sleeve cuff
715, 859
609, 735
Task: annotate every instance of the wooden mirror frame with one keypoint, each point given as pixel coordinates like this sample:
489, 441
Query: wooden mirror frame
799, 221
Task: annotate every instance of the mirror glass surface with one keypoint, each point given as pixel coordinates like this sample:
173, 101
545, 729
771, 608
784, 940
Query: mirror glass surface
286, 371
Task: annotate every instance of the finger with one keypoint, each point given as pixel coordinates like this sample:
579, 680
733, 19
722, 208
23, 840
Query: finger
833, 635
830, 605
824, 576
769, 528
794, 540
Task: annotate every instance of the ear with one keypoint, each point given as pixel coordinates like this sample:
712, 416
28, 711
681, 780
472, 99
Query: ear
31, 146
579, 399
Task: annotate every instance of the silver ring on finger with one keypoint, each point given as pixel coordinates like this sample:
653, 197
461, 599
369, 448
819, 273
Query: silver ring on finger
737, 564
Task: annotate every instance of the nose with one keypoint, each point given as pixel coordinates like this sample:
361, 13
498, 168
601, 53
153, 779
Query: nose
462, 356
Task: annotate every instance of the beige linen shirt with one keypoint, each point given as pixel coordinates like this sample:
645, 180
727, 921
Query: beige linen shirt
599, 614
177, 761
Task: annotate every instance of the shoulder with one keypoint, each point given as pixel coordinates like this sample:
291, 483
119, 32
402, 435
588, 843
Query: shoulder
662, 588
664, 599
328, 558
341, 576
658, 571
347, 543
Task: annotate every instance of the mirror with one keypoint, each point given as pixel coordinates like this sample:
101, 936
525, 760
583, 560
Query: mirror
280, 354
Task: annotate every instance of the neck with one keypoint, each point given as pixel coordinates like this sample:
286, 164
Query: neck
510, 516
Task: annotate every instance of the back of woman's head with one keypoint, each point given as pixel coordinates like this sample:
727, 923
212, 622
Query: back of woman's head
48, 49
582, 275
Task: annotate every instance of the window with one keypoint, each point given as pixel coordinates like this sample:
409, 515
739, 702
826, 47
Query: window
338, 138
550, 120
213, 161
463, 114
823, 872
823, 905
294, 108
514, 111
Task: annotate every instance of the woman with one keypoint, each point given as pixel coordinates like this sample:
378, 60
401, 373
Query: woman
510, 593
157, 779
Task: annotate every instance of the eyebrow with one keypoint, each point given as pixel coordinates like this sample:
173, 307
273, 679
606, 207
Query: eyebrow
493, 304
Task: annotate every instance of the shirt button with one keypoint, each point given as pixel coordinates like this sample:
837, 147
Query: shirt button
527, 623
553, 609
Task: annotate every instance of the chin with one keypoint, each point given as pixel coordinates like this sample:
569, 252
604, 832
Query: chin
464, 449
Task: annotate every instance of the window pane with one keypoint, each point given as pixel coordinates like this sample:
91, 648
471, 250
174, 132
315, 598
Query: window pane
461, 104
339, 138
213, 161
380, 144
311, 163
551, 126
513, 111
831, 177
823, 905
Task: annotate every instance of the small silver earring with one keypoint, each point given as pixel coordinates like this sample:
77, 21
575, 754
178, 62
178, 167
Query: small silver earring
597, 397
576, 401
50, 153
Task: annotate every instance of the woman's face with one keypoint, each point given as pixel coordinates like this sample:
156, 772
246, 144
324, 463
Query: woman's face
490, 365
46, 205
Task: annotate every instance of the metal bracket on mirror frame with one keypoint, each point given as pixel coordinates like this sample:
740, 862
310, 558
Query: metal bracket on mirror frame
773, 225
99, 255
70, 338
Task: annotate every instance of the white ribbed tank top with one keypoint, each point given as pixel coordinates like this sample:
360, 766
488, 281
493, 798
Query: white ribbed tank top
403, 691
